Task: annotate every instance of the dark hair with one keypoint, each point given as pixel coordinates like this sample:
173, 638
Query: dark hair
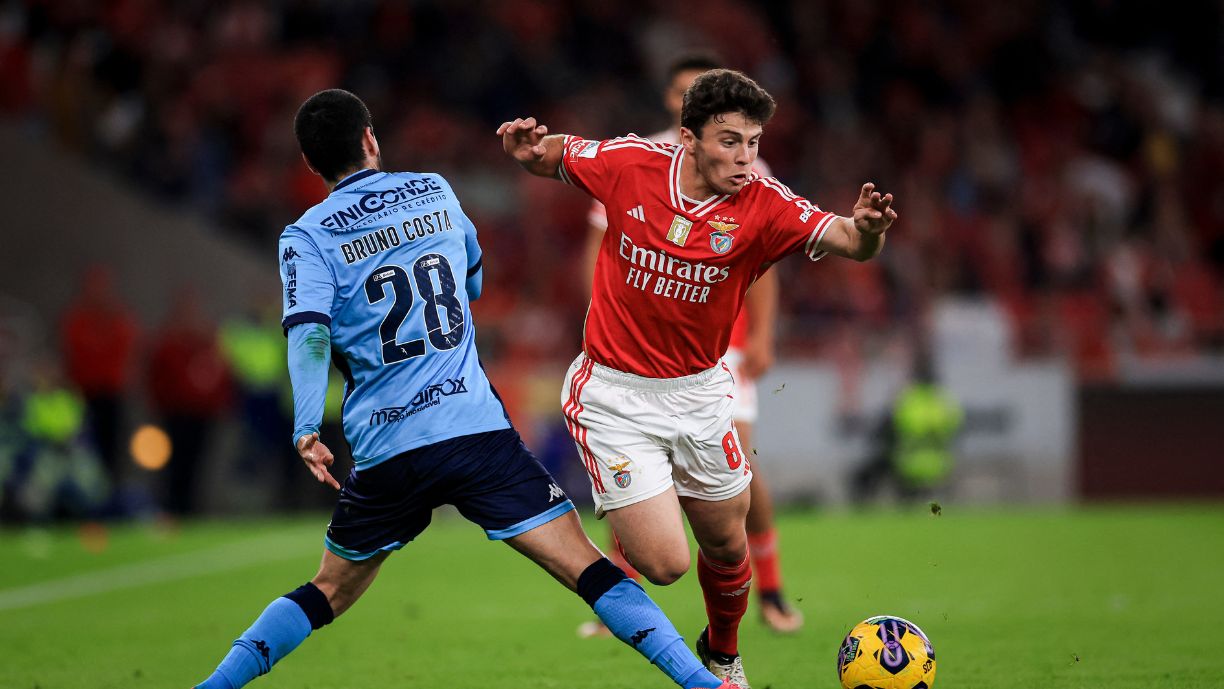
724, 90
329, 127
695, 62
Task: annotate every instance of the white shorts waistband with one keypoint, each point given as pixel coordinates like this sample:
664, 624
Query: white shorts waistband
636, 382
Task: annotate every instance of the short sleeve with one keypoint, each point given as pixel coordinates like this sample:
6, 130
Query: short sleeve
308, 285
582, 166
797, 224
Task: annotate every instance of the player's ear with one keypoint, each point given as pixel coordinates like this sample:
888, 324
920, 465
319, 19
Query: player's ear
369, 143
687, 140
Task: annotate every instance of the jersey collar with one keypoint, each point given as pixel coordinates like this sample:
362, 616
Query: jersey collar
355, 177
680, 201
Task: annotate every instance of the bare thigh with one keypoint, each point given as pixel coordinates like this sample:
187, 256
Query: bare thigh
651, 532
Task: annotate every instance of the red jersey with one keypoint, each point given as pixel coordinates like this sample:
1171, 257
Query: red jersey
671, 272
598, 217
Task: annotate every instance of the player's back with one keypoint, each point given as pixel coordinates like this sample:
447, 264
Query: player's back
384, 261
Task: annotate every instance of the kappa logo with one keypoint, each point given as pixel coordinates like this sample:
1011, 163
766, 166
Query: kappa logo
555, 492
640, 635
637, 214
289, 255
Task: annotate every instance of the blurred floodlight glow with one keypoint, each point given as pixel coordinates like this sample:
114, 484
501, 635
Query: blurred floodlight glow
150, 447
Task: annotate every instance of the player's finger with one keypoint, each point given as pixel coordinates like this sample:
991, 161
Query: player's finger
502, 129
866, 192
541, 130
329, 480
885, 201
538, 150
529, 123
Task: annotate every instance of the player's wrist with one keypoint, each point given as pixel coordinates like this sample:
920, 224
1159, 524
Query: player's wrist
303, 432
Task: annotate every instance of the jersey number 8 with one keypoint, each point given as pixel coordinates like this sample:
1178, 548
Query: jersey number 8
442, 297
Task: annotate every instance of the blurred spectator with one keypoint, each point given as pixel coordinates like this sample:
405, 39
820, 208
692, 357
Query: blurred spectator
1044, 154
98, 340
915, 442
189, 386
253, 345
53, 469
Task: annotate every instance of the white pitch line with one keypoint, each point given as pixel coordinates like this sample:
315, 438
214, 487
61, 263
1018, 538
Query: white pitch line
184, 566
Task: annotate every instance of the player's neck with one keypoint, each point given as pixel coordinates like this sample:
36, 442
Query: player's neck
692, 183
331, 184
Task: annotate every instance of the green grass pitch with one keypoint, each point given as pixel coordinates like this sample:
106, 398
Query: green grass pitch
1120, 597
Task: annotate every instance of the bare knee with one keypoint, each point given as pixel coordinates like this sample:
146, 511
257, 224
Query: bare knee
665, 570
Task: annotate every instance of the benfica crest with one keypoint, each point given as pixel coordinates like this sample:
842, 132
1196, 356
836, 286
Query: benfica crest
721, 238
622, 476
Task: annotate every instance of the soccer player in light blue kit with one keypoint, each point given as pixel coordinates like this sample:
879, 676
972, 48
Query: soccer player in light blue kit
378, 278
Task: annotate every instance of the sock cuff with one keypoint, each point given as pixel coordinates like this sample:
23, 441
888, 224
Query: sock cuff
762, 540
597, 579
721, 567
312, 602
763, 545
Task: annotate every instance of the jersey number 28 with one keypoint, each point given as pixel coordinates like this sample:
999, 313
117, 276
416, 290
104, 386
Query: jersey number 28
442, 297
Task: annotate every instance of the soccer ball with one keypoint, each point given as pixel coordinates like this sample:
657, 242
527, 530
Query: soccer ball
886, 652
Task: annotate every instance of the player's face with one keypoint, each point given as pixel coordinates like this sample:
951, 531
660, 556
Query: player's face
726, 151
673, 97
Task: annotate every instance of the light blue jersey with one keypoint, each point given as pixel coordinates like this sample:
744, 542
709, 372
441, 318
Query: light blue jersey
384, 261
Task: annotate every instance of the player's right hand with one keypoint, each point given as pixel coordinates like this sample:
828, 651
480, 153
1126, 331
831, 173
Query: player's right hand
317, 458
522, 139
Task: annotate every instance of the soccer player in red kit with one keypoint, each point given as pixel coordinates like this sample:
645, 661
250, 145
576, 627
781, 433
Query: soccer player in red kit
648, 400
749, 355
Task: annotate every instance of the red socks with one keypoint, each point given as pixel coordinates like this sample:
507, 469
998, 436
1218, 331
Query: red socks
725, 587
763, 547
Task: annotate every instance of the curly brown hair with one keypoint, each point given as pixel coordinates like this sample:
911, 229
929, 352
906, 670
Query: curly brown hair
724, 90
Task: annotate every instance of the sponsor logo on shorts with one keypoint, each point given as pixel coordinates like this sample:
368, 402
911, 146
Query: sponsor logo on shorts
430, 396
555, 492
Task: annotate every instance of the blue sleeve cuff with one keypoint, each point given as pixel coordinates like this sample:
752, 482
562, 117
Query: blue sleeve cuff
305, 317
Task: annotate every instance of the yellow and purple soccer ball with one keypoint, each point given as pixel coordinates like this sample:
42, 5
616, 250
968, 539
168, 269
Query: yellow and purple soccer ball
886, 652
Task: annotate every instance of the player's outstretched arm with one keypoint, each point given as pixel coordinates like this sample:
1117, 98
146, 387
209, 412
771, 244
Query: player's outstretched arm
861, 236
529, 144
309, 358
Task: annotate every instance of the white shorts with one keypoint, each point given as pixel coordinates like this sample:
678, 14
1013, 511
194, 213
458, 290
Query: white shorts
640, 436
745, 390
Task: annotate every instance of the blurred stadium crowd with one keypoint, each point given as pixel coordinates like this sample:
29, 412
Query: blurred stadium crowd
1064, 160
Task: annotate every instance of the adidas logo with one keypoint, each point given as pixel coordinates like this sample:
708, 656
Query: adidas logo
637, 214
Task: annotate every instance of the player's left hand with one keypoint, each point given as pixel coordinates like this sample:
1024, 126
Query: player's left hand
317, 458
522, 139
873, 213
